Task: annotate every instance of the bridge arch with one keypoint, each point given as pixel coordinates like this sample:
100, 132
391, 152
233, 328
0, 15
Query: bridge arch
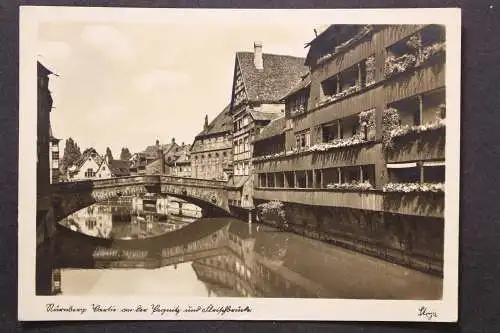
69, 197
200, 239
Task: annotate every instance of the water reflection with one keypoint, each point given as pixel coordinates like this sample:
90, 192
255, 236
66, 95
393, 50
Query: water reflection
132, 217
216, 257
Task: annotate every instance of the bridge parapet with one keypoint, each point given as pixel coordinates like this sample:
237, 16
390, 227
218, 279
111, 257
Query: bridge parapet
69, 197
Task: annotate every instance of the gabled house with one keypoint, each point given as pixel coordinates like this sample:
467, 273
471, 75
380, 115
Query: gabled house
182, 163
211, 151
154, 159
259, 83
87, 166
113, 168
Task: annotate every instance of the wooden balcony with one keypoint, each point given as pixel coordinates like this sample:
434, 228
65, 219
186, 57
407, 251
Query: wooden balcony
366, 200
429, 145
419, 204
427, 77
360, 154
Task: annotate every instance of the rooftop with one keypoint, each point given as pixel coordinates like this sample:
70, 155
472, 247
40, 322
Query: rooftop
221, 123
275, 127
279, 74
304, 83
120, 167
89, 153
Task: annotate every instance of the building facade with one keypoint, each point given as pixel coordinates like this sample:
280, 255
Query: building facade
259, 83
154, 159
87, 166
363, 138
182, 163
211, 151
43, 166
54, 158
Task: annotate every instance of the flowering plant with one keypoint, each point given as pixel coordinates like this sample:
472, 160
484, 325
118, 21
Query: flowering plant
272, 207
363, 186
367, 118
400, 64
407, 129
320, 147
414, 187
370, 71
337, 143
390, 121
431, 50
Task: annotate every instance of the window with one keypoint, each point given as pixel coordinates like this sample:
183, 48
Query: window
330, 86
403, 172
224, 154
55, 155
434, 172
303, 140
246, 148
332, 131
89, 173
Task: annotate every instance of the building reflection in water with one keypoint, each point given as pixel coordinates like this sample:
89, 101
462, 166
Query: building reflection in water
229, 258
132, 217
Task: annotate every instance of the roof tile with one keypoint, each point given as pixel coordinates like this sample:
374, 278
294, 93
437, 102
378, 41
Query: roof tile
280, 74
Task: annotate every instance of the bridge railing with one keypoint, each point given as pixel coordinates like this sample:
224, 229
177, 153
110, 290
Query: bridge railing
192, 181
139, 179
108, 182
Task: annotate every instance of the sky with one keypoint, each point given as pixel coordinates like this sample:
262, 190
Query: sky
127, 84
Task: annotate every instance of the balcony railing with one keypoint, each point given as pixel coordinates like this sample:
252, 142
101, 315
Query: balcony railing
428, 204
366, 200
415, 143
320, 157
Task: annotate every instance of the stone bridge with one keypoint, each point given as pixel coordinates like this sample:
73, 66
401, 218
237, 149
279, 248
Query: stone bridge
69, 197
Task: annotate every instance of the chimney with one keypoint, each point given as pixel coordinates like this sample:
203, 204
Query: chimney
257, 55
205, 126
173, 140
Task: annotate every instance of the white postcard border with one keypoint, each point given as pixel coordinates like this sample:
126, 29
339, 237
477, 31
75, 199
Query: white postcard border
33, 308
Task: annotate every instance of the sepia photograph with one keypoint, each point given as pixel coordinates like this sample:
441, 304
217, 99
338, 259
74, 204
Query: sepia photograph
239, 164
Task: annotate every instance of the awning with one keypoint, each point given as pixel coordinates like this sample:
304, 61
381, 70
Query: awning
401, 165
434, 163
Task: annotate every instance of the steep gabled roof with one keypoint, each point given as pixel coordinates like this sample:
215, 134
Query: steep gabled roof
151, 152
89, 153
275, 127
280, 74
183, 154
120, 167
223, 122
304, 83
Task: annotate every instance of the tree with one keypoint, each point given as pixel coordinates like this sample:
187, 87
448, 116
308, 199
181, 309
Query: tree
70, 156
109, 154
125, 154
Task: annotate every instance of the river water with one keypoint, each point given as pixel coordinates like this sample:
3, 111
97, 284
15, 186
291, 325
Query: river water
147, 246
